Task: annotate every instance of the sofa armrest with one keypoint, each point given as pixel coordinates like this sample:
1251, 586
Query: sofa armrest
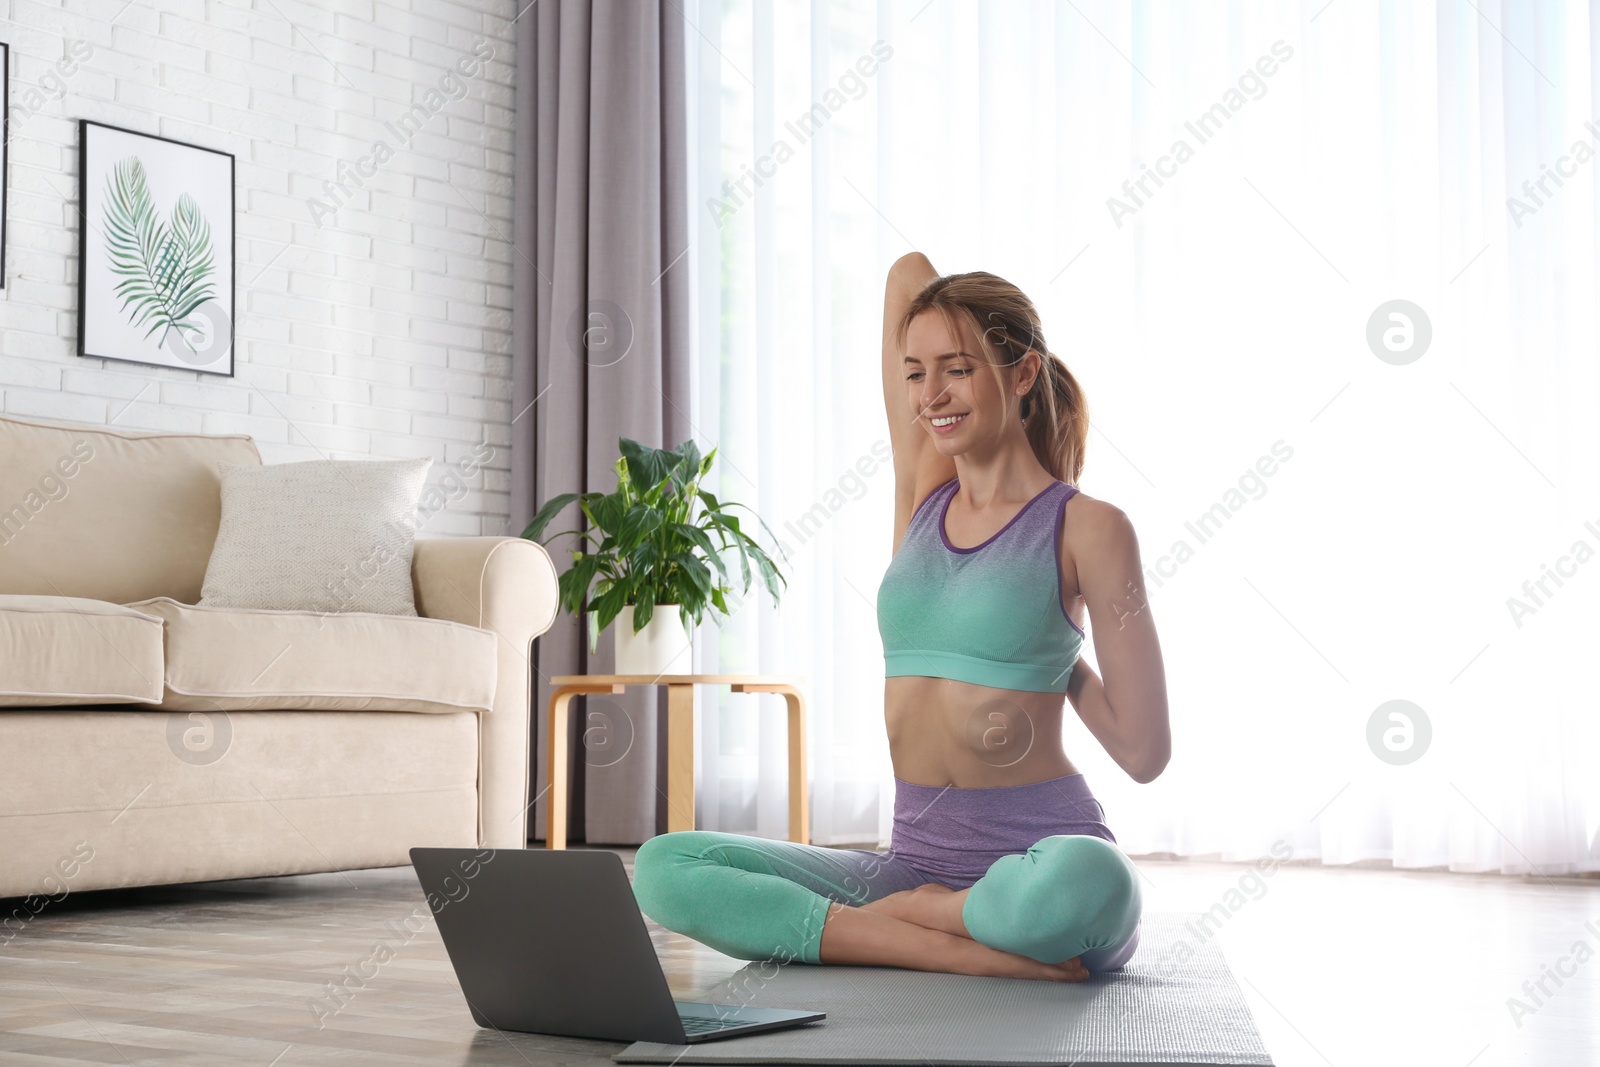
506, 585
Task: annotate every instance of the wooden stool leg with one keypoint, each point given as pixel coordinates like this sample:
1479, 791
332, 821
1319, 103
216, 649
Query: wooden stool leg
555, 812
680, 757
799, 787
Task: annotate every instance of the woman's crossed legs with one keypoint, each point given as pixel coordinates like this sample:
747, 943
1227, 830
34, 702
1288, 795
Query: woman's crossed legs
1068, 906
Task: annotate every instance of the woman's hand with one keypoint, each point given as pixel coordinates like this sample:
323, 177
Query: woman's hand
1084, 687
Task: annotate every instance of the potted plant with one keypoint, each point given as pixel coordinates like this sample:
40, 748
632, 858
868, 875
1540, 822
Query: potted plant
651, 558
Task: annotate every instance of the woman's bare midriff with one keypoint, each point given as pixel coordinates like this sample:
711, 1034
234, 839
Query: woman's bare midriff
944, 732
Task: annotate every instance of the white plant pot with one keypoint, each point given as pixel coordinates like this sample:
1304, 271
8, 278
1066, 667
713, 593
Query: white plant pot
660, 648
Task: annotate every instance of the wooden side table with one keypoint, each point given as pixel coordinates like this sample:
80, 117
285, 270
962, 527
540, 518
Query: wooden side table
680, 742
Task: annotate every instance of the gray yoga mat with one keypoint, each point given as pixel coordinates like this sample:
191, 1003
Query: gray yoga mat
1175, 1002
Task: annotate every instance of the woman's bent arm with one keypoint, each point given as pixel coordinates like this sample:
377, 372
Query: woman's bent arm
1127, 711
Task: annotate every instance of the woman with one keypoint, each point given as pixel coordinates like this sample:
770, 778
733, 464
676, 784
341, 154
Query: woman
1000, 860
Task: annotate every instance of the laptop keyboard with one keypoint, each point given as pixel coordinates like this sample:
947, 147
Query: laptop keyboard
703, 1024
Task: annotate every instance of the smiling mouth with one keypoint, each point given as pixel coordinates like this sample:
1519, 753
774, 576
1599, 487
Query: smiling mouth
944, 422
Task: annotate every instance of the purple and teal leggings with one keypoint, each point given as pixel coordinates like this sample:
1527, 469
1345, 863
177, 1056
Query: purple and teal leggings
1047, 878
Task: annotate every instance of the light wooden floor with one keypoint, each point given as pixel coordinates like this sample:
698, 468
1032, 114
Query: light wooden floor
1341, 967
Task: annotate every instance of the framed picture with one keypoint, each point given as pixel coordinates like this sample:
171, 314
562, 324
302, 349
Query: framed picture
155, 250
5, 143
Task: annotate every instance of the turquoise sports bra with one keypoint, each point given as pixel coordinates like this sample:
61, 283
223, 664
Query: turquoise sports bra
991, 614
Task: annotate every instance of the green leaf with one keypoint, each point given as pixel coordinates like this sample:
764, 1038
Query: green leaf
702, 542
642, 561
696, 572
689, 453
546, 513
166, 272
609, 606
583, 575
739, 539
686, 464
606, 512
722, 523
646, 466
769, 573
569, 592
759, 519
640, 522
643, 608
761, 554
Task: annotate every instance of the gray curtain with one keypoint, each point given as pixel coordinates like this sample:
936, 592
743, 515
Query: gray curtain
600, 343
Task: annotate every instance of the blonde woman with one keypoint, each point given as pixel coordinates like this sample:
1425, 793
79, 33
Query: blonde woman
1000, 861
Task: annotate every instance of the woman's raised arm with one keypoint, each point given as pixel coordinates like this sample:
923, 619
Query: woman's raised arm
907, 276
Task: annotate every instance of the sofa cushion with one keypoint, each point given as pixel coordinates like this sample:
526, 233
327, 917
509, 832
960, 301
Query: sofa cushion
58, 650
115, 515
320, 535
250, 659
119, 799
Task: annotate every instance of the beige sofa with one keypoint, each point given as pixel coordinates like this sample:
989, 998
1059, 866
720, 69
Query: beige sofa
146, 740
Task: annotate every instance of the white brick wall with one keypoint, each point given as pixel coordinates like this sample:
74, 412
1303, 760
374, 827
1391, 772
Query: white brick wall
385, 331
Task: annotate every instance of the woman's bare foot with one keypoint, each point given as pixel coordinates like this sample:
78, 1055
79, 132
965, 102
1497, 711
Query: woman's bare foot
1010, 965
871, 937
936, 906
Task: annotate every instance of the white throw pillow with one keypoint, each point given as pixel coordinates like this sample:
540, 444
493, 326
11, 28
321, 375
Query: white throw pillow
322, 535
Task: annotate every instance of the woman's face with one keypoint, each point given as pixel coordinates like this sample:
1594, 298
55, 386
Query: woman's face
947, 378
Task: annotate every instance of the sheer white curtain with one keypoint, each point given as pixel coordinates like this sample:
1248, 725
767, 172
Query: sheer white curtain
1210, 205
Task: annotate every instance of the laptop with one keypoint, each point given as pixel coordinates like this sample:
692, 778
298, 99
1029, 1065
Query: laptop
551, 941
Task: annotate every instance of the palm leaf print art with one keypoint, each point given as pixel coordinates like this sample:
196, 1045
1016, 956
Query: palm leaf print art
165, 269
